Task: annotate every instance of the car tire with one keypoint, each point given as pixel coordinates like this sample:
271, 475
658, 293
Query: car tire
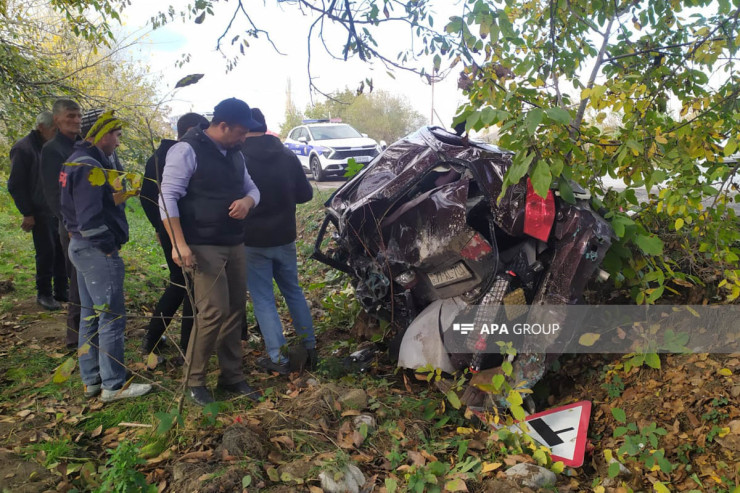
316, 171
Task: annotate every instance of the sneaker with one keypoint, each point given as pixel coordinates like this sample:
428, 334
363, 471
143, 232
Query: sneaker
242, 388
133, 390
48, 302
91, 390
313, 359
200, 395
271, 367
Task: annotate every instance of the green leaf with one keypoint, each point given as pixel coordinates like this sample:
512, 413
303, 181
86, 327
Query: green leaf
518, 413
652, 360
64, 371
246, 481
391, 485
507, 368
541, 178
613, 469
558, 115
619, 415
533, 119
273, 475
650, 245
619, 431
566, 192
453, 399
730, 147
498, 379
188, 80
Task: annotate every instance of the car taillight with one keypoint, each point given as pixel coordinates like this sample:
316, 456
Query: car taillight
539, 213
476, 248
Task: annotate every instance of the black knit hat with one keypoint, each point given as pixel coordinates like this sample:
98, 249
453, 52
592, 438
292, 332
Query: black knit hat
259, 118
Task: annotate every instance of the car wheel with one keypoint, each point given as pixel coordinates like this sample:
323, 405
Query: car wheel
316, 171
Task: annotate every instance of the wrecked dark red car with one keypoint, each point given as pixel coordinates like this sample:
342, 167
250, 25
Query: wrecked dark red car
422, 225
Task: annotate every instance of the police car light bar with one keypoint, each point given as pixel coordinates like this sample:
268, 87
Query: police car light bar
316, 121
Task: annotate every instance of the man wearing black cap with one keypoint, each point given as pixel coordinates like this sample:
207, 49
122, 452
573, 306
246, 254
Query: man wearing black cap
174, 294
269, 237
206, 194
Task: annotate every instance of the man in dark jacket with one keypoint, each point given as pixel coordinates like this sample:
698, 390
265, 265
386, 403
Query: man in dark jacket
206, 194
68, 120
270, 234
94, 214
24, 185
174, 294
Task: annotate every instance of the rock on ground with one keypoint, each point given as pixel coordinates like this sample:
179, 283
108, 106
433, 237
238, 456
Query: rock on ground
351, 481
531, 475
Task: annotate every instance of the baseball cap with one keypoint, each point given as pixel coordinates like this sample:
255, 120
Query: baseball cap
234, 111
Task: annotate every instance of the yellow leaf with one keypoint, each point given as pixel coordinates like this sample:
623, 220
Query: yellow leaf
64, 371
660, 487
585, 93
83, 350
456, 484
464, 431
491, 466
679, 223
151, 361
660, 139
96, 177
725, 431
599, 489
725, 372
588, 339
608, 455
558, 467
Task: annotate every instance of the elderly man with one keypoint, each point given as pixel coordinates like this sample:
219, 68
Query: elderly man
68, 120
95, 217
24, 185
206, 194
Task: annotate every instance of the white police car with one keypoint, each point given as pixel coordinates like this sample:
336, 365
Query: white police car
324, 147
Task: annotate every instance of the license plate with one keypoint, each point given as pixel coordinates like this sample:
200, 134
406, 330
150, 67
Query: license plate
456, 273
363, 159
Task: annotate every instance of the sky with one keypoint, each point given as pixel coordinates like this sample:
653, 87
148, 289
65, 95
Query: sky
262, 75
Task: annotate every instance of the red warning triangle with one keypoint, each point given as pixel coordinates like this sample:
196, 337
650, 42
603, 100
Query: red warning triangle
563, 430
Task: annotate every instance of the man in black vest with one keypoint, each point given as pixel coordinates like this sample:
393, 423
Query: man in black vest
68, 120
24, 185
206, 194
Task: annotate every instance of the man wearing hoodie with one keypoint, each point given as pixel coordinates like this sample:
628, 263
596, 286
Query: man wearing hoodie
270, 234
95, 217
174, 294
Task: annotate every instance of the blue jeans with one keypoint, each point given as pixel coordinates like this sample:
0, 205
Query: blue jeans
264, 264
100, 280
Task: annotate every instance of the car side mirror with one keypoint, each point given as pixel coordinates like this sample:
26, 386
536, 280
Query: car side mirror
364, 135
303, 140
